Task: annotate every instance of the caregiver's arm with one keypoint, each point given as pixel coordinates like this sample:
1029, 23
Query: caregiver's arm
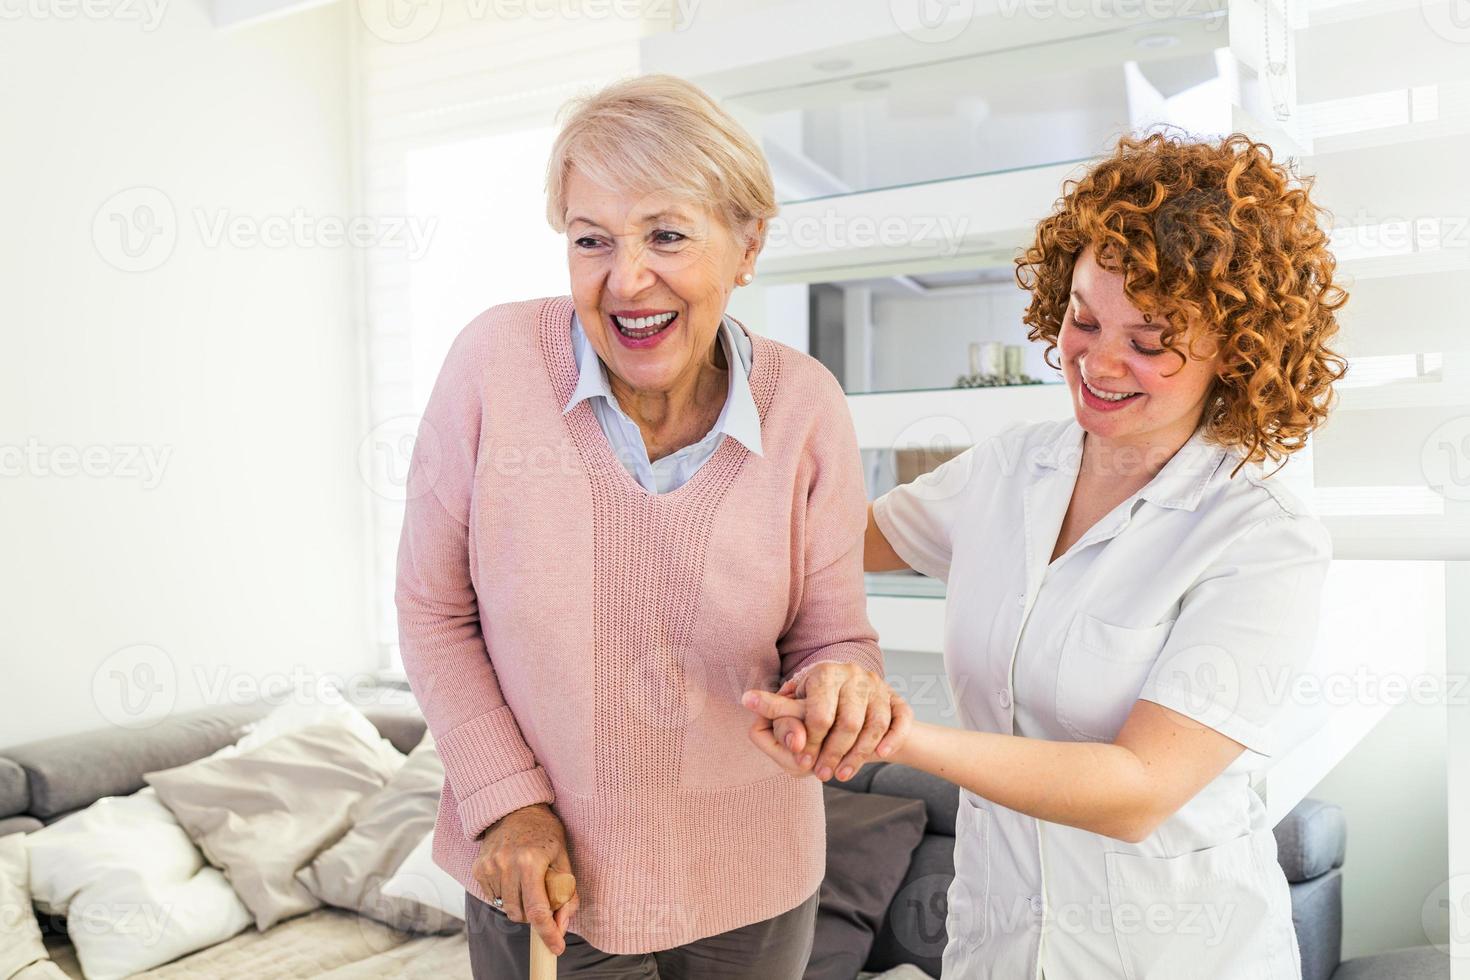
1243, 633
878, 554
1124, 790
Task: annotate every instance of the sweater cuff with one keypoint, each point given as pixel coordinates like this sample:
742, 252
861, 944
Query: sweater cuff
865, 655
491, 769
482, 810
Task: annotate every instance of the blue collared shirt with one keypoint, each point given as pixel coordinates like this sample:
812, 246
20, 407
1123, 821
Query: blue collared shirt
738, 419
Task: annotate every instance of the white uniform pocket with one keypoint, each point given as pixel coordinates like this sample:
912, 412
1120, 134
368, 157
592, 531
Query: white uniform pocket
1100, 673
1220, 912
968, 922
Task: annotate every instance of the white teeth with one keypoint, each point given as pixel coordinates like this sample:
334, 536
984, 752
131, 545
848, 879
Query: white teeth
643, 322
1110, 396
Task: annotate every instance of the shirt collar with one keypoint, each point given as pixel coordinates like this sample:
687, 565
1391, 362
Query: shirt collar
739, 419
1179, 485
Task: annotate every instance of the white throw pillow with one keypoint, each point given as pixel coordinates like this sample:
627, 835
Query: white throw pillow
420, 880
20, 936
293, 717
135, 890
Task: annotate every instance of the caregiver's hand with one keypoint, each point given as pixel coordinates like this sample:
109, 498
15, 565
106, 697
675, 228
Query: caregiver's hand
515, 854
848, 713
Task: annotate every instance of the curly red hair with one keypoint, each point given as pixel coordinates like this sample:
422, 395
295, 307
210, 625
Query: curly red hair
1223, 243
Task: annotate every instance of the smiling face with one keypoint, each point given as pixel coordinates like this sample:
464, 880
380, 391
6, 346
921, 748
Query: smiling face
651, 274
1127, 390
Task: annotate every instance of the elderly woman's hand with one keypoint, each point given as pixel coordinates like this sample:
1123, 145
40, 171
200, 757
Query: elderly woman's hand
514, 857
846, 712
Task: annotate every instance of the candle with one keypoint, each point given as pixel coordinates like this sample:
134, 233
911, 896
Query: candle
1015, 362
993, 359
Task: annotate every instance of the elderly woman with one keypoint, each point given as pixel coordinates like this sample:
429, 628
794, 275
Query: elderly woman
625, 509
1137, 589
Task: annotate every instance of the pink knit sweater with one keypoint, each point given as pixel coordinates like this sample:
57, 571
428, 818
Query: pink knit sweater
575, 640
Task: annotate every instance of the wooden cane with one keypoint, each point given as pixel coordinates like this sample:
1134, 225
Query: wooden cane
559, 888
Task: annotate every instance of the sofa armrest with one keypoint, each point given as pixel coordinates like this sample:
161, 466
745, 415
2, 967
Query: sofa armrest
1311, 840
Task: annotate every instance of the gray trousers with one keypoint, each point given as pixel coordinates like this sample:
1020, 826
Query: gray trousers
776, 949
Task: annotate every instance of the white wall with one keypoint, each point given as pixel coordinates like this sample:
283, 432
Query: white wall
242, 556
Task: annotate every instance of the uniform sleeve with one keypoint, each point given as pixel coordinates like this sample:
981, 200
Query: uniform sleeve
1246, 631
830, 623
490, 769
919, 518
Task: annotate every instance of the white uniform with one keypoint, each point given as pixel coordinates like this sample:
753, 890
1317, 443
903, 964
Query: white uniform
1200, 593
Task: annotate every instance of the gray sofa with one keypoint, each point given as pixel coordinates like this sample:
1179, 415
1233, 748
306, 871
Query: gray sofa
43, 781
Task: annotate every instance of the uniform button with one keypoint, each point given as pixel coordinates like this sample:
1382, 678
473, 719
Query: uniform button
1036, 905
1004, 697
1021, 599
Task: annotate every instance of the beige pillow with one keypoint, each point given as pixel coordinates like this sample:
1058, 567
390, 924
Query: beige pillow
20, 936
262, 815
386, 827
41, 970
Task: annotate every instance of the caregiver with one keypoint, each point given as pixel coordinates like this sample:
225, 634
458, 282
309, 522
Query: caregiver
625, 509
1128, 590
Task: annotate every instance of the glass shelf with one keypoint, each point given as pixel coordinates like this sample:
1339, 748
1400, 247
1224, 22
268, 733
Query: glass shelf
870, 126
903, 585
996, 172
923, 332
917, 391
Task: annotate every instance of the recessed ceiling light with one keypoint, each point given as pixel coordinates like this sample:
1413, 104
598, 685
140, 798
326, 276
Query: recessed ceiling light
1156, 41
833, 64
871, 84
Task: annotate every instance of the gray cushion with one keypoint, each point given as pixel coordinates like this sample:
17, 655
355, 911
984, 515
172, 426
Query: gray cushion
1311, 840
15, 795
941, 798
1316, 917
869, 840
1416, 963
73, 771
404, 727
19, 825
914, 931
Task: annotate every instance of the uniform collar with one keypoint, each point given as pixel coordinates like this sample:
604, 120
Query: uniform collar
739, 419
1179, 485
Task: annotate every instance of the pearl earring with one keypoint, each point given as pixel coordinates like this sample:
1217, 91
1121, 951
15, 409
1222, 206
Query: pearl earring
746, 278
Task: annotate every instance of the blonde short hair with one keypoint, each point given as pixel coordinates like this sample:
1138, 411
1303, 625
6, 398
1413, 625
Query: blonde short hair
659, 132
